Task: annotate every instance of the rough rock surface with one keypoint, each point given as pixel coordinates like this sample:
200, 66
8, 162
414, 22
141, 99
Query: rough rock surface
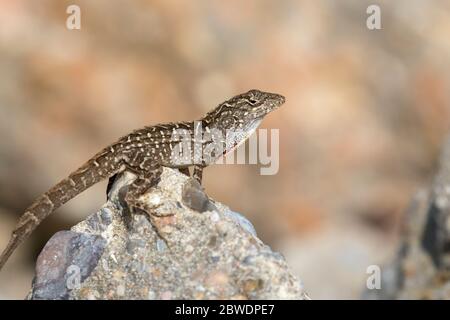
189, 248
421, 269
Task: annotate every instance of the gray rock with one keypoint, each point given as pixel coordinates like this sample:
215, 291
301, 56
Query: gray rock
66, 260
190, 247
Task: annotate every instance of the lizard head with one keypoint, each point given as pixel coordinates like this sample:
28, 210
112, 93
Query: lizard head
245, 111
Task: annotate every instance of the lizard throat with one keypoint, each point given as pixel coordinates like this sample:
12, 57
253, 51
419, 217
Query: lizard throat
242, 135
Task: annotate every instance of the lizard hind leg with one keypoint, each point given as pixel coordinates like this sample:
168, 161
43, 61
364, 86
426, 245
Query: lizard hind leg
139, 187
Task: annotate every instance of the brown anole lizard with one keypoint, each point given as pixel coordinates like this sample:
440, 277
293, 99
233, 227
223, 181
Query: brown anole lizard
145, 152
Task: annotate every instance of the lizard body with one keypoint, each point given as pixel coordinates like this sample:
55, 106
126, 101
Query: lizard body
145, 151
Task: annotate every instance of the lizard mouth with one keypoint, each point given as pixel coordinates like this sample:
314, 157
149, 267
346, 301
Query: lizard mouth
270, 105
278, 99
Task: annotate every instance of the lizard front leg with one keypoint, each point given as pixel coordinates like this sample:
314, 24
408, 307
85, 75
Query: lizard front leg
198, 173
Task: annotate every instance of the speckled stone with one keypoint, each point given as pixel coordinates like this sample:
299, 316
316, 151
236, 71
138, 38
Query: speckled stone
194, 197
190, 247
68, 257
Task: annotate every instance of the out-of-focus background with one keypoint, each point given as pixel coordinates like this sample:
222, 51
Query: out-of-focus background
365, 115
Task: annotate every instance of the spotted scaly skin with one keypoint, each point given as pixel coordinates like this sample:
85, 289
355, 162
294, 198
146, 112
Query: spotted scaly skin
145, 152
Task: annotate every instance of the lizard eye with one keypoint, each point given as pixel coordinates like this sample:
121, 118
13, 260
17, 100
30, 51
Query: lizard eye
252, 101
228, 122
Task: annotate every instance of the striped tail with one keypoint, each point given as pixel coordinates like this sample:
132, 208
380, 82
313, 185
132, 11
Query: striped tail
83, 178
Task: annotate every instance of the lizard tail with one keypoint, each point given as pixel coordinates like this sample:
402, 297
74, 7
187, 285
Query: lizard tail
83, 178
12, 245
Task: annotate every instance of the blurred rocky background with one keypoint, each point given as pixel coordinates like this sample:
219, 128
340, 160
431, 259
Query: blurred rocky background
366, 113
421, 267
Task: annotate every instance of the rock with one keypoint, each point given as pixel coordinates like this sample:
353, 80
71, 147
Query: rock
190, 247
421, 269
67, 252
